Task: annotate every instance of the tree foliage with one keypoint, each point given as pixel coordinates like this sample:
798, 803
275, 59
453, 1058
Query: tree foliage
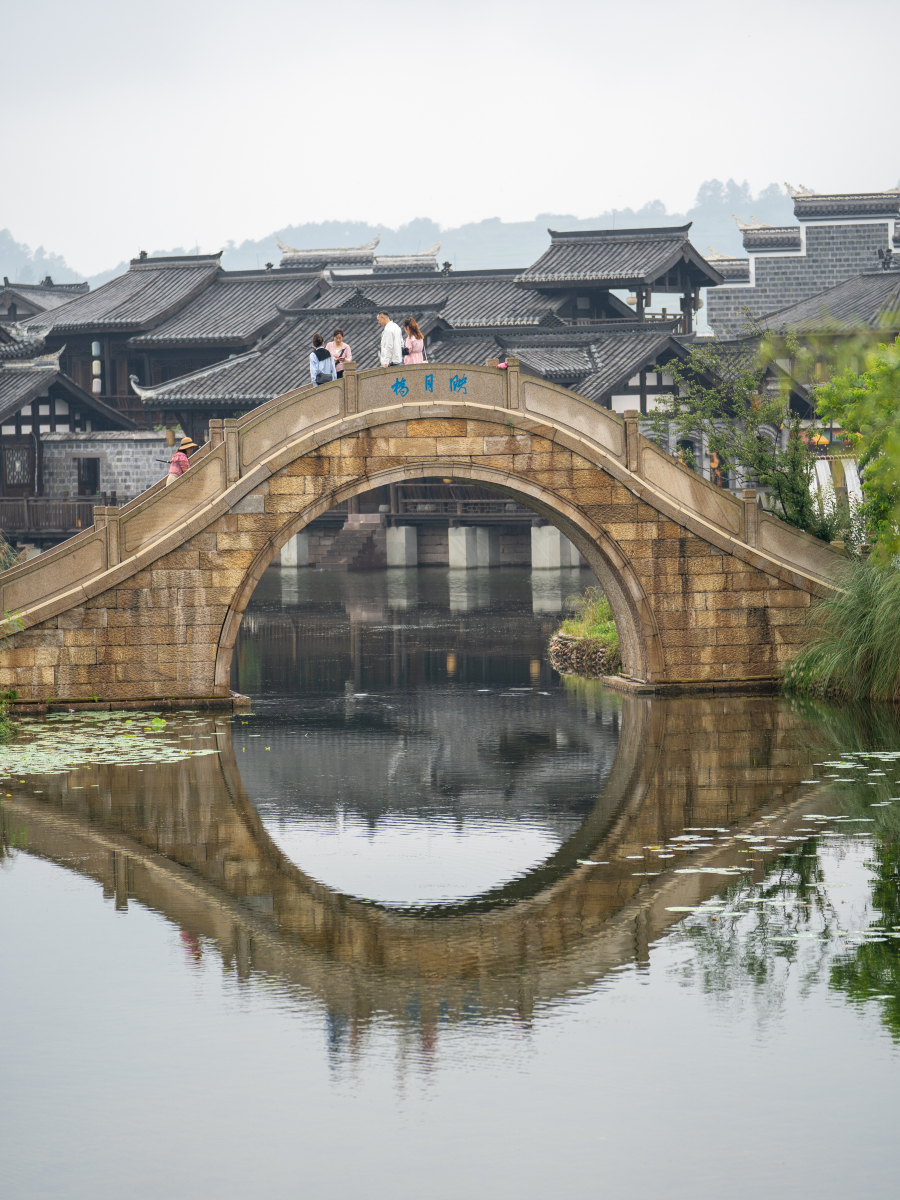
726, 395
867, 406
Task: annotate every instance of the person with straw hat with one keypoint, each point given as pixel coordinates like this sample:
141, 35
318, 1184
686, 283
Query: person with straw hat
180, 462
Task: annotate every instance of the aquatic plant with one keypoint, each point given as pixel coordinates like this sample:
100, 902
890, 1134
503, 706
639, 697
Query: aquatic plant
853, 649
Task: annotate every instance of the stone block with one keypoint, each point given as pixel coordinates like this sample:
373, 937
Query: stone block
416, 447
295, 551
195, 597
463, 547
311, 464
168, 580
124, 618
254, 503
507, 444
736, 636
551, 550
201, 541
288, 485
241, 541
178, 560
206, 615
496, 462
440, 428
225, 579
459, 447
705, 583
487, 539
48, 656
131, 654
402, 546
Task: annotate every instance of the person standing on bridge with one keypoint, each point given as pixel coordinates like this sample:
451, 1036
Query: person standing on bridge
179, 462
414, 345
339, 351
321, 364
391, 351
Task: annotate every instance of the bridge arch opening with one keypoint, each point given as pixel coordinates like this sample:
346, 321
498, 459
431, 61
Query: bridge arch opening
639, 641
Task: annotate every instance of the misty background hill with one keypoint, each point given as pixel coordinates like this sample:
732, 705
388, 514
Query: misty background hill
476, 245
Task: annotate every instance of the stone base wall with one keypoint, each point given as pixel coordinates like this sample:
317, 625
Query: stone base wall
130, 463
708, 615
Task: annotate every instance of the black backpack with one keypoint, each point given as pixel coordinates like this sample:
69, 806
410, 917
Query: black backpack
323, 376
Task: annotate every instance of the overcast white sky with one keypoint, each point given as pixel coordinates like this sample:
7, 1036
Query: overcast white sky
135, 124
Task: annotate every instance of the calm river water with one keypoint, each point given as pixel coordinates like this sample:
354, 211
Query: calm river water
428, 921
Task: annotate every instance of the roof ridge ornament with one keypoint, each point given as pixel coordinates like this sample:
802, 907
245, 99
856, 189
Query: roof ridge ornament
293, 254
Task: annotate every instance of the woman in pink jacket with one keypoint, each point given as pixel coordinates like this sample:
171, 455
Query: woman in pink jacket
179, 462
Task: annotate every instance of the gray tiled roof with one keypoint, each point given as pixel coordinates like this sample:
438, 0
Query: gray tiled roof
474, 351
28, 348
593, 361
867, 301
620, 356
467, 299
236, 310
616, 257
146, 294
278, 364
22, 385
42, 296
23, 381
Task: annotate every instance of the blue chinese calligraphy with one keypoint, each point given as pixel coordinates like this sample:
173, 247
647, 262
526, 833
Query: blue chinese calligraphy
399, 388
429, 383
458, 383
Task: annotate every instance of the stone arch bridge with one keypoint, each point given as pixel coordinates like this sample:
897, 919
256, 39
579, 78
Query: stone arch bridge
704, 587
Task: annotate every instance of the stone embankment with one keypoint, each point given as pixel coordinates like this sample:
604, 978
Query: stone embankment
571, 655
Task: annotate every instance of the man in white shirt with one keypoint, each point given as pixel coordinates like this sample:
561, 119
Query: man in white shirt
391, 352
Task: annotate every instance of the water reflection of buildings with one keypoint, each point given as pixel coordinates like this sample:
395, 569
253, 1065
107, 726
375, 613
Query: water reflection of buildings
313, 631
184, 840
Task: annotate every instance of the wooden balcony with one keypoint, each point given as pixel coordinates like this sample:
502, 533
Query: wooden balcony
35, 517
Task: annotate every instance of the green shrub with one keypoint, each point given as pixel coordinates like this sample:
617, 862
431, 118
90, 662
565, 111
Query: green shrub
854, 646
592, 618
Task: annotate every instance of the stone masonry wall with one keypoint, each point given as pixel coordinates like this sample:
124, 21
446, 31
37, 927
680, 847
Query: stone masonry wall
833, 253
157, 633
129, 462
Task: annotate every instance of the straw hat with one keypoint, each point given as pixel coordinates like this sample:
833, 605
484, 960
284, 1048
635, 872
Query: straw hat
187, 444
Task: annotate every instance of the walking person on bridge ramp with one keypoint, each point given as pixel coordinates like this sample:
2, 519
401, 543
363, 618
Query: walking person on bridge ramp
391, 352
179, 462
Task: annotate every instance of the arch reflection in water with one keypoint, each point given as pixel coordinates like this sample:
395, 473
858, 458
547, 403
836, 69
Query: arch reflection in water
184, 839
421, 750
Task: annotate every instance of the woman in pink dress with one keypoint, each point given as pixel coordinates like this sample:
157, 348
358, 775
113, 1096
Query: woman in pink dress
414, 344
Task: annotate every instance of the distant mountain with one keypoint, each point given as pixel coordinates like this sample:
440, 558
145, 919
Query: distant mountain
496, 243
21, 264
476, 245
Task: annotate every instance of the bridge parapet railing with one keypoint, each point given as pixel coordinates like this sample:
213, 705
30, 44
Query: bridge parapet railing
246, 451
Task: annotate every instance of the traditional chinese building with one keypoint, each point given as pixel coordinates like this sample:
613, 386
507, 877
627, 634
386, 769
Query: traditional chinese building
39, 403
22, 301
836, 237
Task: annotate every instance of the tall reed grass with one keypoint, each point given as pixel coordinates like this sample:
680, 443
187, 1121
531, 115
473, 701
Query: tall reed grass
854, 639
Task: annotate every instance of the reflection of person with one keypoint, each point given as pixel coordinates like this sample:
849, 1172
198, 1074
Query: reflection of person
180, 462
339, 351
391, 351
321, 364
414, 345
